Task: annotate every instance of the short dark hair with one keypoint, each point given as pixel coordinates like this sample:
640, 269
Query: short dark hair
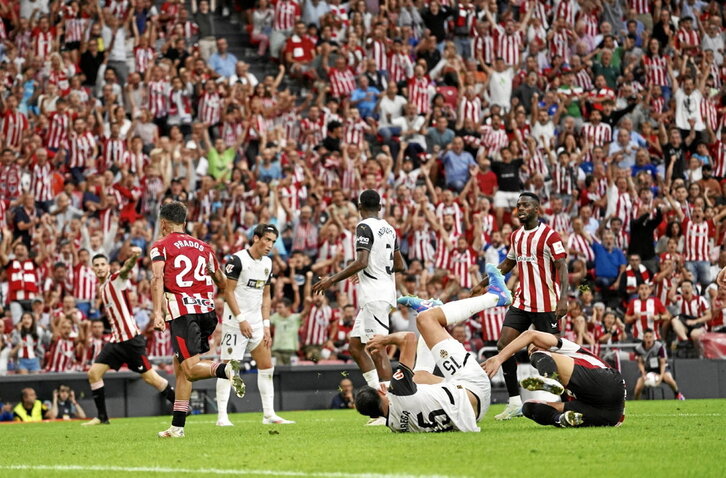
262, 229
99, 256
286, 302
530, 195
648, 331
368, 402
174, 212
370, 200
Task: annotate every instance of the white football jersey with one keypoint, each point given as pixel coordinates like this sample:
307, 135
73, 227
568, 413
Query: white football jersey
425, 408
252, 276
377, 281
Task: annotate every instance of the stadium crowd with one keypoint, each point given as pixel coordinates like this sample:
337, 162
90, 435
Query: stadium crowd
611, 111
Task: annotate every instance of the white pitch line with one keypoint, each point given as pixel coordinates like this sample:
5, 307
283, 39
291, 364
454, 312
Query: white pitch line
674, 415
212, 471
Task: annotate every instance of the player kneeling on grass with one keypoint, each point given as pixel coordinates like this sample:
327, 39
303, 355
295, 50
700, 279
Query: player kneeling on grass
246, 320
421, 401
127, 345
565, 367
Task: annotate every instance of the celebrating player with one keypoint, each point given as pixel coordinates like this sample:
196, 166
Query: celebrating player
377, 260
246, 320
597, 388
127, 345
541, 297
185, 271
421, 401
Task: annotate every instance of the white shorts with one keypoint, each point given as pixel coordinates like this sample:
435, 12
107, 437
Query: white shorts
461, 367
372, 319
234, 344
506, 199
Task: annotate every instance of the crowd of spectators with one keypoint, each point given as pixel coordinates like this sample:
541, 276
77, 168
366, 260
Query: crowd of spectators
612, 111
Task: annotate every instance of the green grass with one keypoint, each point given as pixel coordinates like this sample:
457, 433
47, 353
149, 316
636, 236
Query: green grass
658, 438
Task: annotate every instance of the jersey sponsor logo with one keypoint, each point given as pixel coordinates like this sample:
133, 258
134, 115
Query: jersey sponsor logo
526, 259
197, 301
405, 417
558, 247
363, 240
398, 375
256, 284
267, 271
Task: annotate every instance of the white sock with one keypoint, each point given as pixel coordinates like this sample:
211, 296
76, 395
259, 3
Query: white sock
424, 358
515, 400
267, 391
460, 310
371, 378
223, 388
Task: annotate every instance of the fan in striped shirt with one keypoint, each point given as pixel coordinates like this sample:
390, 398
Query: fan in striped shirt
127, 345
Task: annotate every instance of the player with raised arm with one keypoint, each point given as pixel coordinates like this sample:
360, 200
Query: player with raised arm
185, 271
377, 260
597, 390
420, 401
246, 320
127, 345
541, 296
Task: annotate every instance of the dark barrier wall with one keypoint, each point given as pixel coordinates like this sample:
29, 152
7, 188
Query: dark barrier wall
302, 388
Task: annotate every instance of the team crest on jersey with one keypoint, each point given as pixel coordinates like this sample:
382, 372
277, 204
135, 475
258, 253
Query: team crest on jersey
267, 271
444, 354
256, 284
229, 268
398, 375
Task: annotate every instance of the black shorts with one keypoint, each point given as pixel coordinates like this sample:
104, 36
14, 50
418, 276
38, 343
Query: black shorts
190, 334
520, 320
131, 352
600, 395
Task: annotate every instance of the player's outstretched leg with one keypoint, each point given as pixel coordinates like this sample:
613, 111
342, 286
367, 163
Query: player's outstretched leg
418, 304
224, 387
265, 371
551, 414
95, 378
161, 384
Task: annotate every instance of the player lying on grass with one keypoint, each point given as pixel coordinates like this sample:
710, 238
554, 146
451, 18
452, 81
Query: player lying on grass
127, 346
421, 401
595, 390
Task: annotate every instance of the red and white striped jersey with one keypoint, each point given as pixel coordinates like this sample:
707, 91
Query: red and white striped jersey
27, 345
483, 47
143, 58
60, 79
470, 109
644, 312
188, 287
631, 279
113, 153
709, 113
419, 94
158, 98
41, 178
14, 126
560, 45
314, 129
624, 208
443, 253
578, 244
377, 51
697, 240
84, 283
535, 252
230, 132
460, 263
342, 83
622, 240
286, 13
80, 150
583, 80
455, 210
317, 323
567, 9
657, 105
134, 162
159, 343
94, 348
210, 108
718, 154
355, 131
561, 222
491, 323
656, 70
640, 6
564, 179
61, 356
696, 306
59, 125
420, 245
43, 42
400, 67
687, 38
114, 294
509, 47
599, 134
493, 140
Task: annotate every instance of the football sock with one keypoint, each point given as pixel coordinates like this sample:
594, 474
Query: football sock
223, 388
99, 397
509, 369
169, 393
541, 413
371, 378
219, 370
267, 391
460, 310
424, 358
179, 417
544, 364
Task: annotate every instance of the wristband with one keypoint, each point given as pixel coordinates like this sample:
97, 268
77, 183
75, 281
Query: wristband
240, 318
266, 323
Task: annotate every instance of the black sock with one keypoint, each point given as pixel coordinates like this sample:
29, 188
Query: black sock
509, 368
100, 398
544, 363
169, 393
221, 371
179, 417
541, 413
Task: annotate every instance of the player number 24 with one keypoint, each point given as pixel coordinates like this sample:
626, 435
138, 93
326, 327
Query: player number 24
200, 272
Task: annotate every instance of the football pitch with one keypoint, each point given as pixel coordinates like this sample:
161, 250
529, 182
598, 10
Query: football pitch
658, 438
